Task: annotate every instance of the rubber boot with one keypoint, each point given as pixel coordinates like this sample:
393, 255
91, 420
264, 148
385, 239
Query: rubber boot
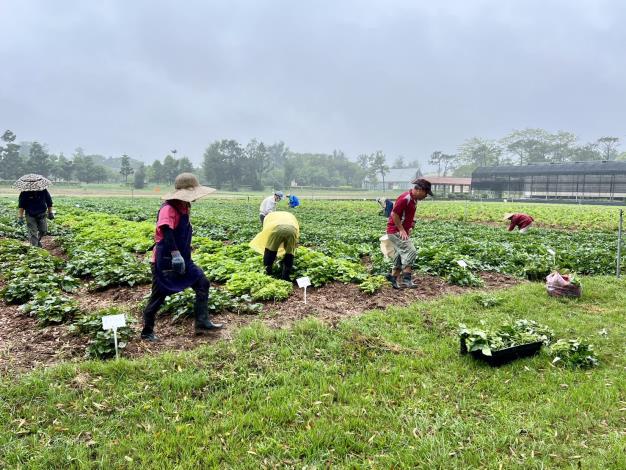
202, 324
287, 267
268, 261
407, 281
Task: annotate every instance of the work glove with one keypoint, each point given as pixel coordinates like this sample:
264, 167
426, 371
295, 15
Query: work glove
20, 221
50, 216
178, 263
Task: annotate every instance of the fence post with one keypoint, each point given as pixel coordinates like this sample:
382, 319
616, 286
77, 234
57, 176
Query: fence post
619, 243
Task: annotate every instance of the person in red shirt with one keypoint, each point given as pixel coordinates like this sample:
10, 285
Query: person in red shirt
399, 226
522, 221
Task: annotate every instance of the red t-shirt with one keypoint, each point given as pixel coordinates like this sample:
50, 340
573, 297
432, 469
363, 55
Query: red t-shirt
521, 221
405, 208
170, 217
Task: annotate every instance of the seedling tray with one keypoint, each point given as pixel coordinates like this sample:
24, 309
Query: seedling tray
504, 356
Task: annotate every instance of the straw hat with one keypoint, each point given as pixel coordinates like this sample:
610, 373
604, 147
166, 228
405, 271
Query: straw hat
187, 188
32, 182
508, 215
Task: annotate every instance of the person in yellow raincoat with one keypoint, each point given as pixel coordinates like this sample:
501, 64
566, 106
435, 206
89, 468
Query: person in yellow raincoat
279, 237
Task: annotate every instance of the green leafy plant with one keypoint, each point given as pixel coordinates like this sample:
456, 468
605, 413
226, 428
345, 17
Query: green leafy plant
101, 342
464, 277
506, 336
259, 286
574, 353
373, 284
50, 307
181, 305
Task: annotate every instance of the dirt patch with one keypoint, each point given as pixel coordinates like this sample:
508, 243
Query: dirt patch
25, 346
52, 245
335, 301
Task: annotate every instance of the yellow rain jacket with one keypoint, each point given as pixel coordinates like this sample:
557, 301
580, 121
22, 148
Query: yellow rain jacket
273, 224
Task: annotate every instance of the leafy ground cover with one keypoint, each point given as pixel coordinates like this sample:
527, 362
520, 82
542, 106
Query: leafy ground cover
387, 389
347, 231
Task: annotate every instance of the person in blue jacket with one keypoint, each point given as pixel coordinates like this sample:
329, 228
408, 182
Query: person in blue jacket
293, 200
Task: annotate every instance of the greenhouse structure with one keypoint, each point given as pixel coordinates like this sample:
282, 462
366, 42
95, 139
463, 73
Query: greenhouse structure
586, 180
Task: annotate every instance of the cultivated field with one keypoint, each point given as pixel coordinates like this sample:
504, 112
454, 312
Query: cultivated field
360, 376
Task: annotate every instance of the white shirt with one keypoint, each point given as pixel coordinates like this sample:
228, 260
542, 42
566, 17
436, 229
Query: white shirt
268, 205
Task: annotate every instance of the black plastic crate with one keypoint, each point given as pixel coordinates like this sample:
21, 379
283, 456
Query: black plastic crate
504, 356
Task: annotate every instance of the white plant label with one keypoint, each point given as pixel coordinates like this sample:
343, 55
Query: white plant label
303, 282
113, 322
462, 263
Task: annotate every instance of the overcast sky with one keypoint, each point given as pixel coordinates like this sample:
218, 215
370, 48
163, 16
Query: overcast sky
405, 76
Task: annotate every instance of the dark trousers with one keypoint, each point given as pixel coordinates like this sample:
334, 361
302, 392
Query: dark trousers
37, 228
157, 297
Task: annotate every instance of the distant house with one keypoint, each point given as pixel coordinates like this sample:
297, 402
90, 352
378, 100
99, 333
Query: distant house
448, 185
397, 178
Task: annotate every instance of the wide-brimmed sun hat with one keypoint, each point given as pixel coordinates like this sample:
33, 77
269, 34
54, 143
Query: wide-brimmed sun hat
32, 182
187, 188
508, 215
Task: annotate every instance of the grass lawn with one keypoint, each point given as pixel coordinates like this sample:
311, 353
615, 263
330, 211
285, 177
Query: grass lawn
384, 390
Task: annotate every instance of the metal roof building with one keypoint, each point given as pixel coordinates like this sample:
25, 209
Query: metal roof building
593, 179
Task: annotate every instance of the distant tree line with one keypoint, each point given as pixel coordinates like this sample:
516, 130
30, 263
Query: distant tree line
229, 163
523, 147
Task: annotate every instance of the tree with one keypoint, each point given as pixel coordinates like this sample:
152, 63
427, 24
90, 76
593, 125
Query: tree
609, 146
185, 165
278, 153
398, 162
170, 169
157, 171
258, 162
126, 169
448, 162
140, 177
224, 161
530, 145
11, 165
563, 146
84, 168
64, 168
435, 159
378, 164
480, 152
39, 160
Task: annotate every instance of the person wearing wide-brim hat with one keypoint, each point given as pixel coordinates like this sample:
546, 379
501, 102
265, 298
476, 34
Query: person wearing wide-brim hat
172, 268
34, 204
521, 221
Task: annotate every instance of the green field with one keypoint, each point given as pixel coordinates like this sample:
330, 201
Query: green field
385, 389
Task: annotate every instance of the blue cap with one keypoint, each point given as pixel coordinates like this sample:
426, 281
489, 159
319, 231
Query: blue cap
279, 194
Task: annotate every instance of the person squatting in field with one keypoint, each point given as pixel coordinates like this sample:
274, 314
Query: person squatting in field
36, 203
522, 221
293, 201
269, 204
172, 268
279, 236
399, 226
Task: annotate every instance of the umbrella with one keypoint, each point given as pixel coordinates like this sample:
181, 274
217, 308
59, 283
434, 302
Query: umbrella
32, 182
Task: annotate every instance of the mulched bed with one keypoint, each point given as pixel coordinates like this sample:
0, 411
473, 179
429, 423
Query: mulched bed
25, 346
